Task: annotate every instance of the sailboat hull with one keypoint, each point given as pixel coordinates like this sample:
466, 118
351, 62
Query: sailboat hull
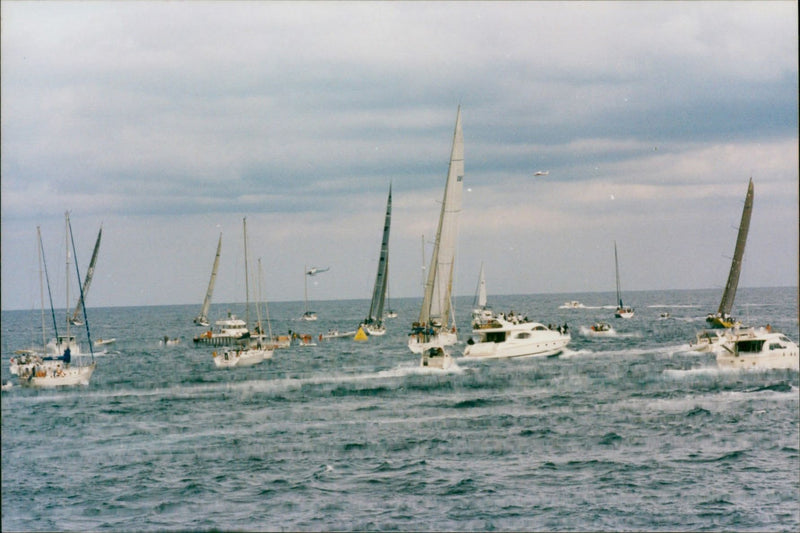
419, 342
61, 377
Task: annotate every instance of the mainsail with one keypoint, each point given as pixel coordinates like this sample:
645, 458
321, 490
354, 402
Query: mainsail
728, 296
480, 293
436, 309
87, 281
381, 278
202, 318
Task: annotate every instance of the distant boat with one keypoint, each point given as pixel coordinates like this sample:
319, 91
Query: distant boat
574, 304
723, 318
202, 318
598, 329
481, 313
623, 311
76, 315
373, 324
104, 342
436, 324
541, 173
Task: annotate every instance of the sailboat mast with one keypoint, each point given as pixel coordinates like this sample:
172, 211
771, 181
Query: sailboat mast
305, 289
616, 268
258, 301
41, 285
726, 305
80, 288
66, 240
246, 278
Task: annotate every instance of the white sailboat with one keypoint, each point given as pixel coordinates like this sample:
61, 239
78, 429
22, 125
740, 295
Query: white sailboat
623, 311
481, 313
436, 324
722, 318
373, 324
202, 318
76, 315
61, 371
252, 349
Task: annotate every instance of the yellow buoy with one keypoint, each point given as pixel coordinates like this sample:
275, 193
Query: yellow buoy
360, 335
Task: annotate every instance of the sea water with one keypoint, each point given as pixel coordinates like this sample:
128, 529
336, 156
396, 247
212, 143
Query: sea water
629, 432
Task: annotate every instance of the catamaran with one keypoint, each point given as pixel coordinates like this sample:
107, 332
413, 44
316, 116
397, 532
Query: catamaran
373, 324
623, 311
436, 326
202, 318
723, 318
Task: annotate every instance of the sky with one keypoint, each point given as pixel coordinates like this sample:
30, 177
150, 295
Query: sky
170, 122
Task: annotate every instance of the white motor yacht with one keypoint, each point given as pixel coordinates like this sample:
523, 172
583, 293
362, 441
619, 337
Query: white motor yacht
762, 348
502, 338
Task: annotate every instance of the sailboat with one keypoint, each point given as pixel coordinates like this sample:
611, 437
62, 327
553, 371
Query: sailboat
623, 311
249, 350
481, 314
373, 324
60, 371
202, 318
230, 330
87, 281
436, 326
722, 318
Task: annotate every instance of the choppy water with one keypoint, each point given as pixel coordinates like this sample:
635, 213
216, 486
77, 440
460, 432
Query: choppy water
633, 432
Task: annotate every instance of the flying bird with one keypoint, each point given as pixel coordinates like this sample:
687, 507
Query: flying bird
313, 271
541, 173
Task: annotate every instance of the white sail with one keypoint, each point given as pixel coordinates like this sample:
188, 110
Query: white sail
622, 311
202, 318
438, 287
481, 292
436, 315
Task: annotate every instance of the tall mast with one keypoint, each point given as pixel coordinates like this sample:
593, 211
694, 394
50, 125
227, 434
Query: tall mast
616, 268
41, 285
66, 240
89, 275
246, 281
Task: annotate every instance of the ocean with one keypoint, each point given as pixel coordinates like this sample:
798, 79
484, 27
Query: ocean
631, 432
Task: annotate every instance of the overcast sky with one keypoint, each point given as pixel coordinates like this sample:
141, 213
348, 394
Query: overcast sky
168, 122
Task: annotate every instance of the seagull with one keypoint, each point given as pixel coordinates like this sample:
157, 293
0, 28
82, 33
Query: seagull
541, 173
313, 271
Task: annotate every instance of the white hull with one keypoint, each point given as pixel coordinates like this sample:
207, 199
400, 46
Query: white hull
104, 342
62, 377
624, 313
419, 343
526, 339
375, 331
230, 358
761, 349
